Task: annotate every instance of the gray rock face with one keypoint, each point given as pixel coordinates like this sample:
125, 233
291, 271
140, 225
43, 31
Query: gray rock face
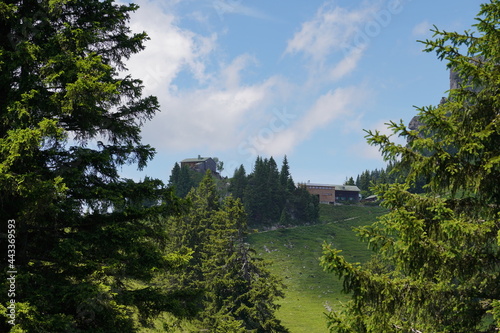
454, 84
454, 80
414, 123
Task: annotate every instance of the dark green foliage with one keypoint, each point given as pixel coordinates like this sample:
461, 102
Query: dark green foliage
238, 183
239, 293
174, 175
393, 173
367, 180
271, 197
219, 165
286, 179
349, 181
437, 268
182, 180
303, 206
81, 230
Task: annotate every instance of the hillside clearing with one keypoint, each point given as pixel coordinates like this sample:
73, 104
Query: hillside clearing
294, 254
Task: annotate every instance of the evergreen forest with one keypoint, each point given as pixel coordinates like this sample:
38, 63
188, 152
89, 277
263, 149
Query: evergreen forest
270, 195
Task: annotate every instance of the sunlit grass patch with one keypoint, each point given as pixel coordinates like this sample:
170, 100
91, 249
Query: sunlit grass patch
295, 256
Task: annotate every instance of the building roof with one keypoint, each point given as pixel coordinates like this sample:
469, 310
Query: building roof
347, 188
351, 188
196, 159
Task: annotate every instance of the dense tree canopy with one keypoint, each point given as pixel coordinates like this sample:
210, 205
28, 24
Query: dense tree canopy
437, 268
271, 197
69, 118
182, 179
239, 292
238, 183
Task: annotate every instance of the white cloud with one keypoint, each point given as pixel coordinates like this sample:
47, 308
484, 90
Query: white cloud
366, 151
231, 74
214, 111
212, 118
332, 29
335, 39
324, 33
347, 64
327, 108
220, 110
422, 29
354, 124
224, 7
169, 51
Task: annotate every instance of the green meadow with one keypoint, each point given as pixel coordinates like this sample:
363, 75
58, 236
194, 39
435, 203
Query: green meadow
294, 256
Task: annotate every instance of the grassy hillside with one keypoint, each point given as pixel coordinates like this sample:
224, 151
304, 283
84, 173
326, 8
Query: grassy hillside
294, 254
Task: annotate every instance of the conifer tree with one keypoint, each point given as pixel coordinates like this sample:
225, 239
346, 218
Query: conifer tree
239, 292
185, 182
276, 198
286, 179
256, 193
174, 175
439, 251
183, 179
349, 181
69, 119
238, 183
270, 197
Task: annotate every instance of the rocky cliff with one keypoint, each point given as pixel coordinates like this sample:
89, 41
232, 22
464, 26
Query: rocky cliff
454, 83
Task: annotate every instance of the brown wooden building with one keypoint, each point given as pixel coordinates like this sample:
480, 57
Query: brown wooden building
331, 194
326, 193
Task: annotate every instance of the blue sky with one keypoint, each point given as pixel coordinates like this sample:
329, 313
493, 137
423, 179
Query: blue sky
241, 78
